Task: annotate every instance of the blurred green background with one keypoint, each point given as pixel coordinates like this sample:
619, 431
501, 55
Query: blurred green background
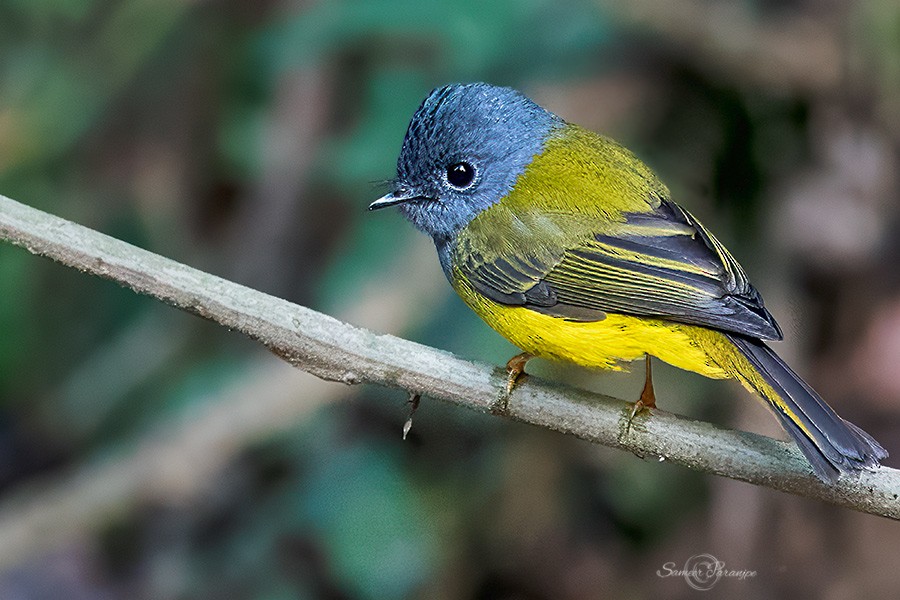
145, 453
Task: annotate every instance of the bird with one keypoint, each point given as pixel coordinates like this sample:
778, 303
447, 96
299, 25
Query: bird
569, 246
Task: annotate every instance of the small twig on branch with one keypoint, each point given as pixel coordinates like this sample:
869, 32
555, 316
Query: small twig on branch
337, 351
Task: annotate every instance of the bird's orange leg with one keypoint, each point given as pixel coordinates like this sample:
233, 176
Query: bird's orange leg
516, 369
648, 397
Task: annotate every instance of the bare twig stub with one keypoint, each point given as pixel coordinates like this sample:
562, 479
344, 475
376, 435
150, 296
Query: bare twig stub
337, 351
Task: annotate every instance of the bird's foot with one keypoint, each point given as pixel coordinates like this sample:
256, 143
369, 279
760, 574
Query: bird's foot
648, 396
515, 369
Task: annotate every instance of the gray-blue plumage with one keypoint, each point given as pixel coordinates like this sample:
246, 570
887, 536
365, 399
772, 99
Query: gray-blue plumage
496, 130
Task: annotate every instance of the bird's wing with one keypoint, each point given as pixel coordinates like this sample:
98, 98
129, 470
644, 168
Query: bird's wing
662, 263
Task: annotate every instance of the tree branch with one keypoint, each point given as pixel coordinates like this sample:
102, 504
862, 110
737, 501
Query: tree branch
337, 351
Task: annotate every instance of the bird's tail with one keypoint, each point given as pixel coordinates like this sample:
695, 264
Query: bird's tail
831, 444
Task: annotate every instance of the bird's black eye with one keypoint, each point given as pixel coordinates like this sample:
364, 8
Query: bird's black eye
460, 175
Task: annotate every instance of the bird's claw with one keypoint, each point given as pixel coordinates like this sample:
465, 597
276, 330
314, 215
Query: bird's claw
515, 369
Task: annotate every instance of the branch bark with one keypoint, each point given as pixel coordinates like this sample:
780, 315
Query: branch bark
337, 351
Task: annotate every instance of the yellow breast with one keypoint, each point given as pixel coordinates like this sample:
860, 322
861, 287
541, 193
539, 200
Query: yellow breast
605, 344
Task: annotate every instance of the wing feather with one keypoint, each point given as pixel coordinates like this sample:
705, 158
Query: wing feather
662, 263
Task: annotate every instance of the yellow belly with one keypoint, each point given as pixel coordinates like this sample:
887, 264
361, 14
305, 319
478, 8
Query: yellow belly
608, 343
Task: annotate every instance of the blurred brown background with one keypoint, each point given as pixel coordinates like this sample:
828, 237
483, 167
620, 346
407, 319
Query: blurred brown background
145, 453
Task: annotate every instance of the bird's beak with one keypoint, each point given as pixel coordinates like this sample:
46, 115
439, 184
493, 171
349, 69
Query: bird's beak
392, 198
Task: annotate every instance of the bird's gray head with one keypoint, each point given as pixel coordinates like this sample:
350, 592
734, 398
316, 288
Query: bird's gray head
464, 149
